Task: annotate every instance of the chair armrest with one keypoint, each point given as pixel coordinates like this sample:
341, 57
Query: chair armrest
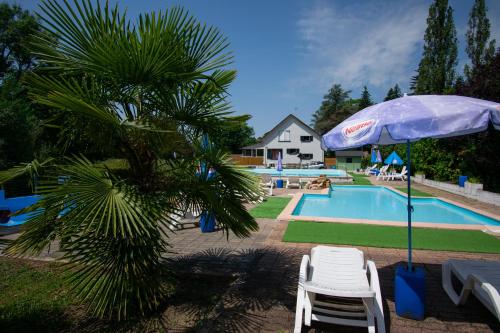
374, 281
488, 288
304, 269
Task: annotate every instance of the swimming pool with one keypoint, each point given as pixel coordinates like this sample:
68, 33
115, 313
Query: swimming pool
301, 172
380, 203
15, 204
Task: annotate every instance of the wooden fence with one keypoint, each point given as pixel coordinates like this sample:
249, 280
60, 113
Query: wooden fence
259, 160
247, 160
329, 161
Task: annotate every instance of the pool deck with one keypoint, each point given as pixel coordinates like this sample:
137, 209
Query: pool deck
491, 211
262, 298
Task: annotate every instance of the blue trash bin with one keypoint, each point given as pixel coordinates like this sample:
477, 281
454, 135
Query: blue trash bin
462, 180
207, 222
409, 291
279, 183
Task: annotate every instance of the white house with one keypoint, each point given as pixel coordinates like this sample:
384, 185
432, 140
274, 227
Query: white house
296, 141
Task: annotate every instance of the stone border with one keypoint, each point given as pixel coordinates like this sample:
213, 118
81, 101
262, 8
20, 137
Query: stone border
287, 215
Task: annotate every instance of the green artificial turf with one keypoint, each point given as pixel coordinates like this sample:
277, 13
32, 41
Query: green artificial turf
359, 179
270, 208
415, 192
389, 236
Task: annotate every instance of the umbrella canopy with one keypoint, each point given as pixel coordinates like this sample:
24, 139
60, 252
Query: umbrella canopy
393, 158
413, 118
410, 118
279, 166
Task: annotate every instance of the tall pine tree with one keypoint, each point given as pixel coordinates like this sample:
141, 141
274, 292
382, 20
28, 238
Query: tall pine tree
393, 93
436, 71
334, 108
366, 99
478, 48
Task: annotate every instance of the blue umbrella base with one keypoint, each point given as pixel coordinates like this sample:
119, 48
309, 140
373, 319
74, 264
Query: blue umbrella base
207, 222
409, 291
279, 183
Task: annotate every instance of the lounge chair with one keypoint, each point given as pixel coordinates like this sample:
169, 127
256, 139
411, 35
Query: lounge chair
399, 176
334, 288
382, 172
480, 277
368, 171
293, 182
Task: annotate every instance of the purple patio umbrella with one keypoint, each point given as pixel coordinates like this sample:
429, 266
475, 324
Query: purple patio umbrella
411, 118
279, 166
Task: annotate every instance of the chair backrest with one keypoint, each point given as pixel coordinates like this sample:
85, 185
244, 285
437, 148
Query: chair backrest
266, 178
403, 171
294, 179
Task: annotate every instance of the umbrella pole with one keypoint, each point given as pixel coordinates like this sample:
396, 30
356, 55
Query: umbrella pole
410, 208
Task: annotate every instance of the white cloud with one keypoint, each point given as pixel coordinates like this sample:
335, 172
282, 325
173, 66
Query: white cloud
372, 43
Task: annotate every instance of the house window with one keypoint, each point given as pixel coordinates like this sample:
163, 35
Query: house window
284, 136
306, 138
348, 160
307, 156
292, 151
260, 152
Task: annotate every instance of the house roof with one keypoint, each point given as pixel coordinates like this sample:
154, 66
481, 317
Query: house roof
349, 153
270, 134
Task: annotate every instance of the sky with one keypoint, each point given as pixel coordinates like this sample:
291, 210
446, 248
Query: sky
288, 53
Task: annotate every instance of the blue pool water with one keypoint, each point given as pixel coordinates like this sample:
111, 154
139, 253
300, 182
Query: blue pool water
380, 203
301, 172
15, 204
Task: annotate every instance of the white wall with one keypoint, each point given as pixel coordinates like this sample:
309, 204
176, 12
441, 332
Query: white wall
470, 190
296, 131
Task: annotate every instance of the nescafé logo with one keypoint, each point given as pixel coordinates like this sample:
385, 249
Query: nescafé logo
358, 130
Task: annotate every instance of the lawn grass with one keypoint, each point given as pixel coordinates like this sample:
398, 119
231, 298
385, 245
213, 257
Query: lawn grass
359, 179
415, 192
270, 208
36, 299
390, 236
33, 297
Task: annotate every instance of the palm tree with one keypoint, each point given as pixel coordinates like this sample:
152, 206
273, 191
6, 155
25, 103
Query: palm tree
149, 89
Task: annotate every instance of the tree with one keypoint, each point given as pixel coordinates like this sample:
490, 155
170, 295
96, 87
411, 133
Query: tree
16, 28
159, 88
19, 126
478, 32
334, 108
365, 100
436, 70
393, 93
235, 137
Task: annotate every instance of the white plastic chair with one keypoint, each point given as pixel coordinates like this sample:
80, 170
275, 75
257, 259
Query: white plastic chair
480, 277
267, 182
368, 170
382, 172
399, 176
334, 288
293, 182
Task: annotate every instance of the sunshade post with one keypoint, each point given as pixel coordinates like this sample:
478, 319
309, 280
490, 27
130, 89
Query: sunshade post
410, 208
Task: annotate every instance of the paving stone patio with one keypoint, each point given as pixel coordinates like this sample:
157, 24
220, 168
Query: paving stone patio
266, 288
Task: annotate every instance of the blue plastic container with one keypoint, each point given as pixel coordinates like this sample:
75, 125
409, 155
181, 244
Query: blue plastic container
279, 183
410, 293
207, 222
462, 180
